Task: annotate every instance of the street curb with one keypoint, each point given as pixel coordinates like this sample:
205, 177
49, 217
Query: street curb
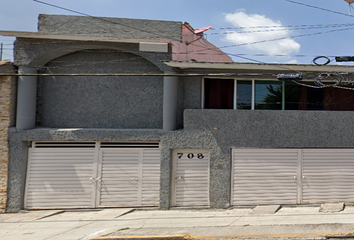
142, 237
328, 235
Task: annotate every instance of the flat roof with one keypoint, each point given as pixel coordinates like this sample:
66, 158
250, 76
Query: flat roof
260, 66
38, 35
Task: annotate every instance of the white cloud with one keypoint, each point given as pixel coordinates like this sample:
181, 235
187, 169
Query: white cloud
281, 46
294, 61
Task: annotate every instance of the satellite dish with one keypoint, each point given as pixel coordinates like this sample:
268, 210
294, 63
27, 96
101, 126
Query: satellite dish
206, 28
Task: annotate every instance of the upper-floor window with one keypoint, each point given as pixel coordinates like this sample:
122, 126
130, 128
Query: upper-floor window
273, 95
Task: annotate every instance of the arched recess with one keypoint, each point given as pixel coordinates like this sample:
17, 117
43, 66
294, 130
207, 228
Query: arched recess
123, 102
48, 56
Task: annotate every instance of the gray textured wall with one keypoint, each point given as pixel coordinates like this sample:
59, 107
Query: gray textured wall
100, 102
217, 130
274, 129
110, 27
222, 130
219, 165
38, 52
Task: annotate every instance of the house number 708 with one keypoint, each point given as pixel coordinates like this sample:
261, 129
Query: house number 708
191, 155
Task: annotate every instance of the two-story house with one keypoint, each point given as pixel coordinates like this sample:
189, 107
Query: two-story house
118, 112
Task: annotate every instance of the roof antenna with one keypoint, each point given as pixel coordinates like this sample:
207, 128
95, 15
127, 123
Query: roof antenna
350, 2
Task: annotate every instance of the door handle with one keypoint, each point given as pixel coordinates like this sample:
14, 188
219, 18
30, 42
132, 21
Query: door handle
94, 180
180, 178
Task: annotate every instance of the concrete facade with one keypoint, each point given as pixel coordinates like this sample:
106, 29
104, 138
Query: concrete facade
96, 101
124, 28
217, 130
7, 115
135, 108
101, 108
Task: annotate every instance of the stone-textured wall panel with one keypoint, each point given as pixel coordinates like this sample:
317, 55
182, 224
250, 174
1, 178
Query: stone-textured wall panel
274, 129
38, 52
123, 102
7, 116
122, 28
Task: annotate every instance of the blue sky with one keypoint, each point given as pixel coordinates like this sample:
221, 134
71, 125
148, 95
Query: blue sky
290, 32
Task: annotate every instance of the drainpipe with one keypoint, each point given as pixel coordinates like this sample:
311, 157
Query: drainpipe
170, 86
26, 99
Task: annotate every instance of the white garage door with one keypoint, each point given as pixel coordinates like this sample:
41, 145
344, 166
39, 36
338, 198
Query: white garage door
264, 176
328, 175
289, 176
88, 175
191, 178
129, 177
59, 177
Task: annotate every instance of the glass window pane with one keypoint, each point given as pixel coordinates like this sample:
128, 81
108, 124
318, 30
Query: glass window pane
295, 98
244, 95
307, 98
268, 95
218, 93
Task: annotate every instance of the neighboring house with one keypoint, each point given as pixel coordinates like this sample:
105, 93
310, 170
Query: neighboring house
7, 119
124, 112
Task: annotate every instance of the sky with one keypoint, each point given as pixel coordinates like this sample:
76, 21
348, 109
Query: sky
259, 31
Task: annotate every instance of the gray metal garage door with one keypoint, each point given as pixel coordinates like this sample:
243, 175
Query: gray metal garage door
129, 177
289, 176
89, 175
328, 175
60, 178
264, 176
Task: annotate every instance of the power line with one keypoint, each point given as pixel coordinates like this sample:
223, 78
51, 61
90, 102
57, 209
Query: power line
254, 60
135, 74
101, 19
323, 9
243, 44
283, 38
286, 26
280, 28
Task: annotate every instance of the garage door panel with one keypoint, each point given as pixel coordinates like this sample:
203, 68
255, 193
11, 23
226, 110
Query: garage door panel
57, 172
119, 167
131, 172
328, 175
150, 187
260, 173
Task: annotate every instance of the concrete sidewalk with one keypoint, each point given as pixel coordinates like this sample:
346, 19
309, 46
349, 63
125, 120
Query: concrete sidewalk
244, 223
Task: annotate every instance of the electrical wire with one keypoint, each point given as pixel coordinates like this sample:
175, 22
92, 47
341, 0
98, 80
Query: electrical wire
286, 26
317, 80
268, 40
106, 20
319, 57
291, 37
101, 19
323, 9
280, 28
